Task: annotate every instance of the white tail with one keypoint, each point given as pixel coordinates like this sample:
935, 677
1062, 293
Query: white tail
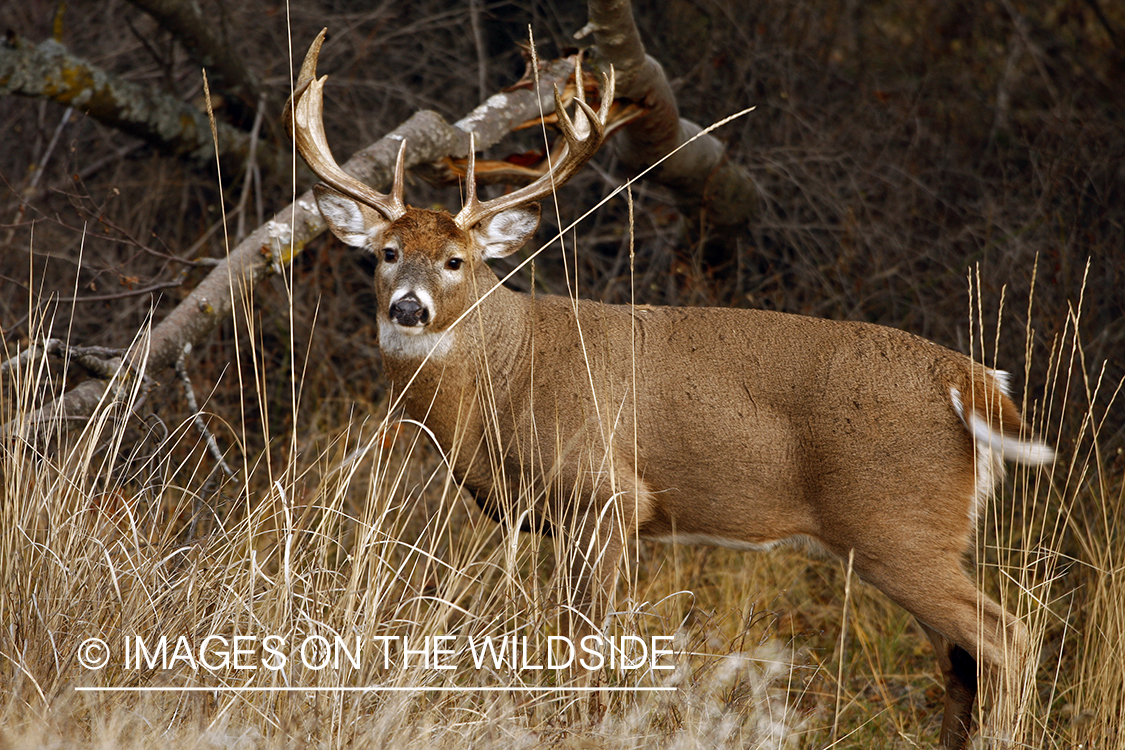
991, 439
751, 427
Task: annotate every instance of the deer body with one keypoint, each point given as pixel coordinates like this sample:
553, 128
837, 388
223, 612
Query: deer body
740, 428
752, 427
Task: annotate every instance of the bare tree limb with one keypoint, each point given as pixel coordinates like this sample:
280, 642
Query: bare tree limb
706, 185
185, 21
428, 138
48, 70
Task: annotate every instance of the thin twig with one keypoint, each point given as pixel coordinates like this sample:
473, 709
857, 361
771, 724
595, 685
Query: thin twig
121, 295
251, 166
197, 415
482, 49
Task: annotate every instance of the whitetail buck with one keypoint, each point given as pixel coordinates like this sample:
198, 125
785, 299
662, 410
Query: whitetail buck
740, 428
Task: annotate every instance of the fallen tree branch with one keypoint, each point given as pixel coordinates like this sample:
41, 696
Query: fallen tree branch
48, 70
707, 186
428, 138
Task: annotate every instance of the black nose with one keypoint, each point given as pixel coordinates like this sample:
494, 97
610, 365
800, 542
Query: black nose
408, 311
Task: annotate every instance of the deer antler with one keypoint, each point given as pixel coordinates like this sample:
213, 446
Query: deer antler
304, 117
305, 121
584, 135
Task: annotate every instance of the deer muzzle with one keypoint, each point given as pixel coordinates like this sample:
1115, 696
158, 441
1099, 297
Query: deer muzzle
409, 312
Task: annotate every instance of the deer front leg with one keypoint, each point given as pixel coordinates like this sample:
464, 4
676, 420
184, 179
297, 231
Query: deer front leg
593, 552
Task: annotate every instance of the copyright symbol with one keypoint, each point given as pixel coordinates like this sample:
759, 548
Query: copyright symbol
93, 653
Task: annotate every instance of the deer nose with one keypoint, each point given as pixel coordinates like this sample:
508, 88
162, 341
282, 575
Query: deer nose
408, 311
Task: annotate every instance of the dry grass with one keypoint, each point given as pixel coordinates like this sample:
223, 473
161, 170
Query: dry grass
360, 534
896, 146
368, 541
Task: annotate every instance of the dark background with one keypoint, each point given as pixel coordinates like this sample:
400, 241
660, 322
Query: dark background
899, 149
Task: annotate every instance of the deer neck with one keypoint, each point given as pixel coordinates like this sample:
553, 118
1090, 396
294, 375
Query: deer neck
439, 375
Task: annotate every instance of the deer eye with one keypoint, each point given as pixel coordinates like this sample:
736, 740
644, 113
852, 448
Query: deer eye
389, 254
454, 263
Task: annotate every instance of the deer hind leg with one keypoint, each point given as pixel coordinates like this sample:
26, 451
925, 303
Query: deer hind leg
965, 626
960, 671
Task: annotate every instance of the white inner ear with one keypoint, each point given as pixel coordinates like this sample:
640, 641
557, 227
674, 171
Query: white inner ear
501, 235
355, 224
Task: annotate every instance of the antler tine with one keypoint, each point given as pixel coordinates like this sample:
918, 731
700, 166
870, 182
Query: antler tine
580, 146
471, 203
306, 124
399, 180
304, 78
608, 95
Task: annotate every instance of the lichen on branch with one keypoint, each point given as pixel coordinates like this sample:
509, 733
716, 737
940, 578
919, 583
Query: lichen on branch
49, 71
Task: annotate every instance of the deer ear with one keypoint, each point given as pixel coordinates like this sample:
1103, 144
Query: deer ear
502, 234
354, 223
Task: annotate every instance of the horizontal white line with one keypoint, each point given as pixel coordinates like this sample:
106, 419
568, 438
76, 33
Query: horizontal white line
369, 689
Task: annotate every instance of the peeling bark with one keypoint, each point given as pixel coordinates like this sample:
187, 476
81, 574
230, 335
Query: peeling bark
48, 70
428, 138
707, 187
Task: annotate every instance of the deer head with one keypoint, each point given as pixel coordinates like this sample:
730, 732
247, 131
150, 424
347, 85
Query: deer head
431, 265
